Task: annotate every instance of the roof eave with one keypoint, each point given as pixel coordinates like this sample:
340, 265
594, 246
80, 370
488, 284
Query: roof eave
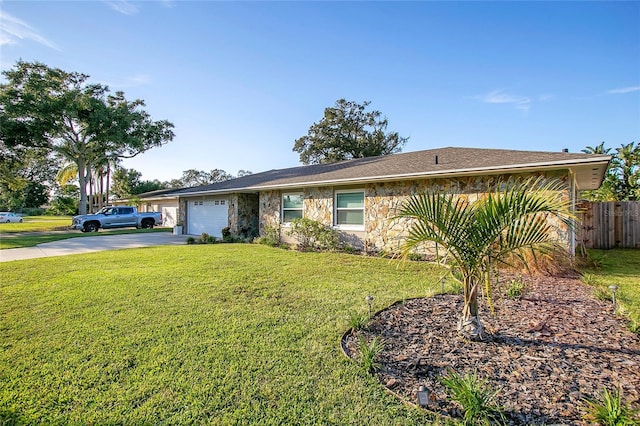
517, 168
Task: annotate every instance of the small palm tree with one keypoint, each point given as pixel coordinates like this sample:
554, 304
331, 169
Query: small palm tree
473, 238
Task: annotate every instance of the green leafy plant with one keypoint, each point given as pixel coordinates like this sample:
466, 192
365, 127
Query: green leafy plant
516, 288
369, 352
473, 238
357, 320
313, 235
475, 397
608, 410
270, 236
602, 293
589, 279
191, 240
226, 232
416, 257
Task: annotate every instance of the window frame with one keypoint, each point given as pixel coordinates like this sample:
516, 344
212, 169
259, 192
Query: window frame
283, 208
336, 209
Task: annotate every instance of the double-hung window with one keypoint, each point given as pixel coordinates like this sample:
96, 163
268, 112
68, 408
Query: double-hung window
349, 209
291, 207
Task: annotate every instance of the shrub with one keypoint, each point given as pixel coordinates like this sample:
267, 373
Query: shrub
416, 257
191, 240
609, 410
313, 235
226, 233
475, 397
271, 236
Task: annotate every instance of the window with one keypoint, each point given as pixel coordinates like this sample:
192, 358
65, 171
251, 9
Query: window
350, 209
291, 207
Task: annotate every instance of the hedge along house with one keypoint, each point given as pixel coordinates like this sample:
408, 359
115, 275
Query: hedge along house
359, 197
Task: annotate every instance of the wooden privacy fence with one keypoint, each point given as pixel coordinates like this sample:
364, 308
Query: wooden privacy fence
605, 225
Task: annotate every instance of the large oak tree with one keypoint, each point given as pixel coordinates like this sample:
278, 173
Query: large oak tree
348, 131
48, 108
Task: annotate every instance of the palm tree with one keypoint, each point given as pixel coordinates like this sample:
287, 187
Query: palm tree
474, 238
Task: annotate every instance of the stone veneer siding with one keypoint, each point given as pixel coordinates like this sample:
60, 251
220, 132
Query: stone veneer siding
382, 201
243, 214
269, 209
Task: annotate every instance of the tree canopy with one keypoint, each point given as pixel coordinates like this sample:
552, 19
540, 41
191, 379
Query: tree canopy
622, 179
57, 111
348, 131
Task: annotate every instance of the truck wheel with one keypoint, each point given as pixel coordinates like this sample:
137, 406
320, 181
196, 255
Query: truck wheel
91, 227
147, 223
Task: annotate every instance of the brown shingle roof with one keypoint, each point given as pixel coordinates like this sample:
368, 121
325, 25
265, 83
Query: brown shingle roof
450, 162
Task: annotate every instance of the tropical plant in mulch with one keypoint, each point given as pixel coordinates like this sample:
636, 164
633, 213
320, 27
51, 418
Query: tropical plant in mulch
475, 397
369, 352
609, 410
473, 239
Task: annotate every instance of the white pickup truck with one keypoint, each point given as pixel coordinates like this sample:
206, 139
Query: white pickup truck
116, 217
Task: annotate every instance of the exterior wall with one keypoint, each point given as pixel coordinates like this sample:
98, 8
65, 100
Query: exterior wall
243, 214
382, 202
269, 209
318, 205
383, 233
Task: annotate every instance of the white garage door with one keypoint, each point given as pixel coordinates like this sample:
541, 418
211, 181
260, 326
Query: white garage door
209, 216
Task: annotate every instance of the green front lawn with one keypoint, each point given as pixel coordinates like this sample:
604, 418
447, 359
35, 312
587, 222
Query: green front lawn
620, 267
37, 224
213, 334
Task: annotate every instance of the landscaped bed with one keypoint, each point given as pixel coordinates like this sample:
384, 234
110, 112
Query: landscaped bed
545, 354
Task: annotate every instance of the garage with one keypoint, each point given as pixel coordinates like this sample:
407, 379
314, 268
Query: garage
209, 216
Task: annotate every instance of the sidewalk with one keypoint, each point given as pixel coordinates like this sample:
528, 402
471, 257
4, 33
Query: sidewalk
92, 244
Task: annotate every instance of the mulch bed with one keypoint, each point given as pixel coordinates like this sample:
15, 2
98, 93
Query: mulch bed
545, 353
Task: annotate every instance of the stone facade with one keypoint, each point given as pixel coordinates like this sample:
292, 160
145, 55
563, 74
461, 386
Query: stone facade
269, 209
318, 205
382, 232
243, 214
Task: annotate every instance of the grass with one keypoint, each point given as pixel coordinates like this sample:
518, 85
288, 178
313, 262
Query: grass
619, 267
201, 334
37, 224
34, 233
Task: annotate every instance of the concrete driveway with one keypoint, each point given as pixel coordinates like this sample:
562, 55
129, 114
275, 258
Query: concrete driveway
91, 244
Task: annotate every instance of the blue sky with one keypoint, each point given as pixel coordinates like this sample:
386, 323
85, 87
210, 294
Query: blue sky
242, 80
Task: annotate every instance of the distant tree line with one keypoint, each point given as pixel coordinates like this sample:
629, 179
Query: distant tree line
128, 182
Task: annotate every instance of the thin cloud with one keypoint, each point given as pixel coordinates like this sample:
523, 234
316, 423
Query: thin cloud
500, 97
123, 6
623, 90
128, 82
14, 30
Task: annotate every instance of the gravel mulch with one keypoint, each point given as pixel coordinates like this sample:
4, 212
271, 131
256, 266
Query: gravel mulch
545, 354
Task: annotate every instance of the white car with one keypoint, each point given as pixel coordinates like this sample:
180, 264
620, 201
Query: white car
6, 217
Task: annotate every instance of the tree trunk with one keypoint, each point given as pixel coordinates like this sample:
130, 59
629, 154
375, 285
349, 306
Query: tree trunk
82, 183
470, 325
